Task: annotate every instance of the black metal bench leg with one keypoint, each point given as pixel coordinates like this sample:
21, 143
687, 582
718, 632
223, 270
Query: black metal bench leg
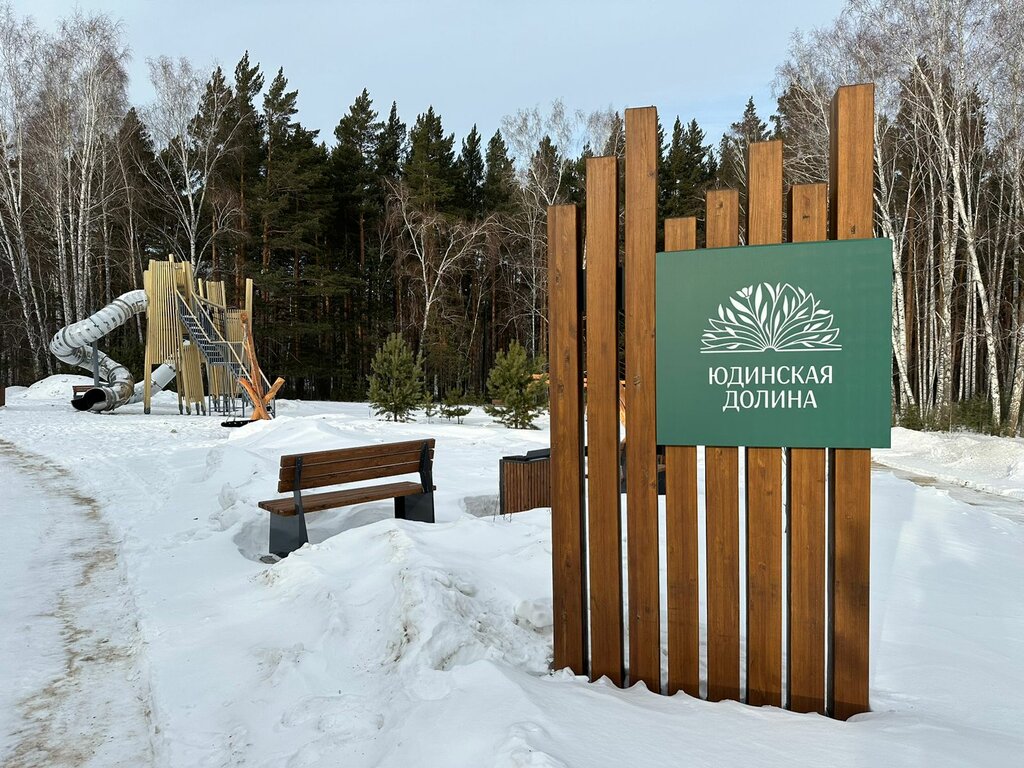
287, 533
419, 507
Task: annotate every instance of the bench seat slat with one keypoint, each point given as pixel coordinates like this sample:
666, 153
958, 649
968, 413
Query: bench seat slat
361, 452
318, 502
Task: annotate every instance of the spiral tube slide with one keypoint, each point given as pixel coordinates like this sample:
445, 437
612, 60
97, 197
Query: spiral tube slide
73, 345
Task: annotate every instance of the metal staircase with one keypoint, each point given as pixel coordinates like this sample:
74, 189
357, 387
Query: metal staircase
207, 337
207, 332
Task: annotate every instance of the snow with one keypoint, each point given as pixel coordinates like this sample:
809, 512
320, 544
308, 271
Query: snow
991, 464
53, 388
391, 643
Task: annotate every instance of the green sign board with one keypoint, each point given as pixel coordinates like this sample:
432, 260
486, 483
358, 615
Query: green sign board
776, 345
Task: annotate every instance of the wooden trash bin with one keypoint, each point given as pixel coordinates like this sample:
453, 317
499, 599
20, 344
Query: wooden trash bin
525, 481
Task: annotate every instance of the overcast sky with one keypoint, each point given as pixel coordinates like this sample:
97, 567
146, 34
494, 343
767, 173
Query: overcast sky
478, 61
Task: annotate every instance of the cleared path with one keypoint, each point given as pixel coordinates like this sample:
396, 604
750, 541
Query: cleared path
69, 643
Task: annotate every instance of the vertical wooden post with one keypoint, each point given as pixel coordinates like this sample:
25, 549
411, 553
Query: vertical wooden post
721, 470
764, 468
805, 478
567, 522
681, 559
642, 155
604, 519
852, 216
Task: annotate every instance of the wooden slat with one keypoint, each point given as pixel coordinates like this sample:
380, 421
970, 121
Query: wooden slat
808, 206
681, 558
642, 156
764, 468
362, 451
604, 507
567, 523
805, 478
852, 217
342, 464
526, 486
320, 476
721, 470
320, 501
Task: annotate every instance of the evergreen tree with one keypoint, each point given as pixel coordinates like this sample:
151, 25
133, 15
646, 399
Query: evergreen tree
396, 384
499, 179
299, 287
279, 107
687, 170
214, 120
247, 159
353, 162
453, 408
732, 157
469, 169
732, 151
518, 397
141, 219
390, 150
430, 168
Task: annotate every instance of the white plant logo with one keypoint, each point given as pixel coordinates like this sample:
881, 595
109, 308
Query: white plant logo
767, 318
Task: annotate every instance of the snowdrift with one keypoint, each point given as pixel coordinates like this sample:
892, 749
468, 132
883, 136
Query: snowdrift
389, 643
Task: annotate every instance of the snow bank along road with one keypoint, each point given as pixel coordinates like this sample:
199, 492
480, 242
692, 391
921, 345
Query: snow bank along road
389, 643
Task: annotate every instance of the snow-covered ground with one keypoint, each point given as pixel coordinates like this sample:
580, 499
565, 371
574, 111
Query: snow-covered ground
141, 627
980, 462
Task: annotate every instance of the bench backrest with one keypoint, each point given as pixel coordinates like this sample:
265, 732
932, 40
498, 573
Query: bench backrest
347, 465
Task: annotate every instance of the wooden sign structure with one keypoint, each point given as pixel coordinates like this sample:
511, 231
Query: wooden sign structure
827, 538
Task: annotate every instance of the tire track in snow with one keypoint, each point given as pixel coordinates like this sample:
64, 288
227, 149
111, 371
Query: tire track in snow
96, 710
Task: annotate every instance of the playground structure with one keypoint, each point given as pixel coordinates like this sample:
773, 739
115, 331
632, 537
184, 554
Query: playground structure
189, 327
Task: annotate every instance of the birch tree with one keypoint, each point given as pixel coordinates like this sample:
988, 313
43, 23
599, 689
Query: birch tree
192, 124
20, 50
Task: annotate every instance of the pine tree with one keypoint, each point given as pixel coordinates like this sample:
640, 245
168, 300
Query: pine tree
518, 397
247, 159
430, 168
390, 151
688, 169
469, 170
214, 120
298, 286
354, 170
732, 151
452, 407
499, 179
396, 384
732, 156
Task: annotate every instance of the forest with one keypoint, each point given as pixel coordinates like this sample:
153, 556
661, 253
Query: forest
394, 224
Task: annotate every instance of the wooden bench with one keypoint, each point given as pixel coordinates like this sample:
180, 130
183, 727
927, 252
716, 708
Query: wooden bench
77, 390
302, 471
